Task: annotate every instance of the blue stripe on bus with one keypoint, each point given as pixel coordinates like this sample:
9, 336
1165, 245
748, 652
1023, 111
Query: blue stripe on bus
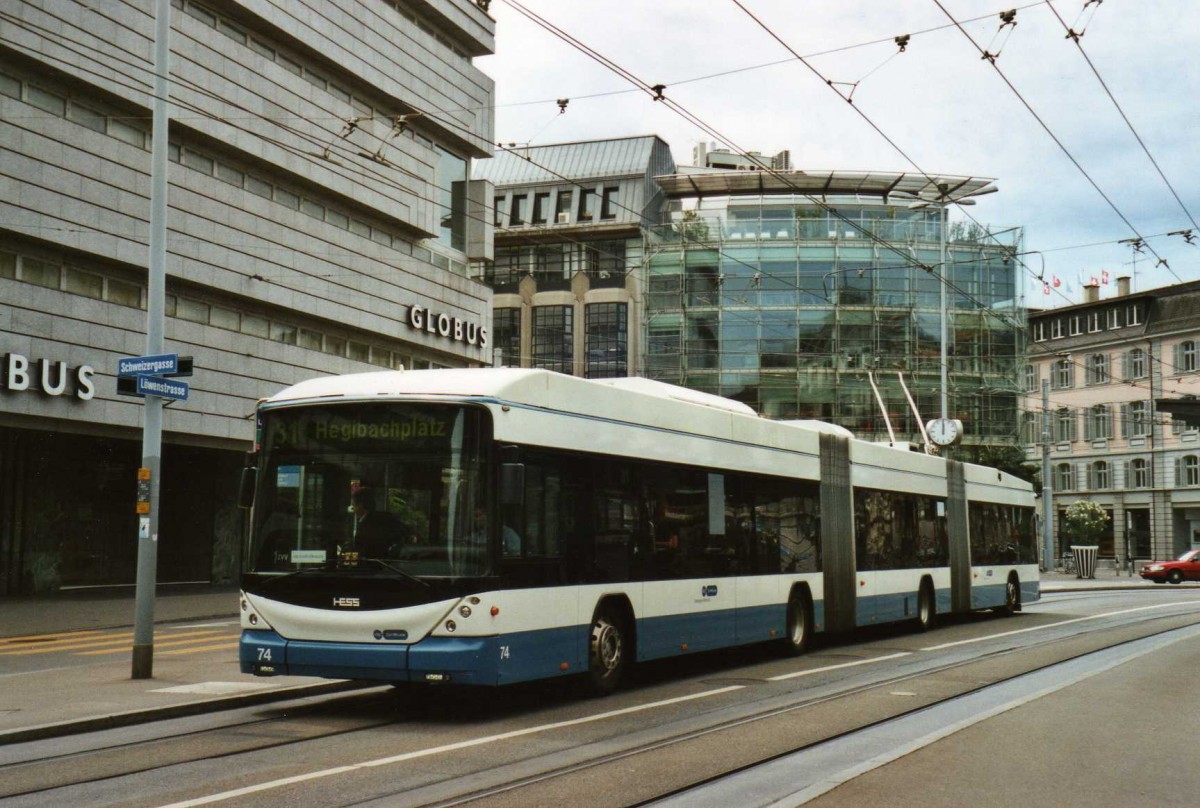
529, 655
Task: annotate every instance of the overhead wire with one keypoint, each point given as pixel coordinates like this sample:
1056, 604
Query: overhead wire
1062, 146
1076, 36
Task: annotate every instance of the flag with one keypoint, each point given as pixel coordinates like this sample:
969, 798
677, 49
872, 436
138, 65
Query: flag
1104, 277
1057, 282
1095, 281
1045, 288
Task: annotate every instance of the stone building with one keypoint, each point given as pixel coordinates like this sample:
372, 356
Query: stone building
322, 216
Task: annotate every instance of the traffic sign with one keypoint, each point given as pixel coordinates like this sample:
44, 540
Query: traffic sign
163, 388
158, 365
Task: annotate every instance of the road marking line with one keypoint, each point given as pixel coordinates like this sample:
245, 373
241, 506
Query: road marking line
158, 643
1059, 623
221, 647
98, 642
781, 677
437, 750
33, 637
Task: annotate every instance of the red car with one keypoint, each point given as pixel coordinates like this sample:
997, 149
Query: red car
1184, 568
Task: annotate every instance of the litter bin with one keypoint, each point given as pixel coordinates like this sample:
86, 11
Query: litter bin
1085, 560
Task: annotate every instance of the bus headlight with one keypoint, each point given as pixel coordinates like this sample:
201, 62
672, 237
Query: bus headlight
464, 610
451, 626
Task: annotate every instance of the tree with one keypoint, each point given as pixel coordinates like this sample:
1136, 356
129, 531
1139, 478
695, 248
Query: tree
1084, 522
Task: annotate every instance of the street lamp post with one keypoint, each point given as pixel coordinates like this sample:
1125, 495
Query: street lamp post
945, 430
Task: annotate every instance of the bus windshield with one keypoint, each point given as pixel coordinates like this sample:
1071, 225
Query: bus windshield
389, 487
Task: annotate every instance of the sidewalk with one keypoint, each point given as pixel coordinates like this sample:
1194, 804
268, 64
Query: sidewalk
86, 696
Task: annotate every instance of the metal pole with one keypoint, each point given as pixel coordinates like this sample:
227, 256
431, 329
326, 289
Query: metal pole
1047, 483
942, 209
147, 564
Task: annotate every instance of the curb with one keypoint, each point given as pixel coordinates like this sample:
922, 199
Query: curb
134, 717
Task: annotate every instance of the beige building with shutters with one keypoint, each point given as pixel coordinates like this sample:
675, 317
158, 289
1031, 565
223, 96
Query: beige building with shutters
1109, 361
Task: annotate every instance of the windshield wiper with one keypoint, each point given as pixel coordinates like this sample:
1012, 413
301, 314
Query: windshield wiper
406, 575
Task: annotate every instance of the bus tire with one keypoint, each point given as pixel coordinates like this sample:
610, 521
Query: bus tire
608, 651
799, 624
926, 607
1012, 596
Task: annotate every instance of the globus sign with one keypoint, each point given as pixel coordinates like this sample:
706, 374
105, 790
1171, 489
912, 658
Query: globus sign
443, 325
19, 374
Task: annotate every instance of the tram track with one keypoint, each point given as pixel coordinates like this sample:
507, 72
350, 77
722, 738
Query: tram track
508, 780
509, 789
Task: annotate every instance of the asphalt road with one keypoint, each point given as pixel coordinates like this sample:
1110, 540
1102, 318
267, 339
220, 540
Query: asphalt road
1108, 732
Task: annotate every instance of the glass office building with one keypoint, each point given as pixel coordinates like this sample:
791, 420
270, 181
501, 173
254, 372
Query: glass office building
786, 290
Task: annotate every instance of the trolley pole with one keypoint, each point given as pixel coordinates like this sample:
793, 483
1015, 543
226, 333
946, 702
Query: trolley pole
147, 564
1047, 483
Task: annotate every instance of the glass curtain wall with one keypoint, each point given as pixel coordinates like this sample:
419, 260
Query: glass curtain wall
775, 301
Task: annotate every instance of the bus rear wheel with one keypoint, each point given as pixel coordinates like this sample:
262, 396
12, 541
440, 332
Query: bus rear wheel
1012, 597
608, 652
799, 625
926, 607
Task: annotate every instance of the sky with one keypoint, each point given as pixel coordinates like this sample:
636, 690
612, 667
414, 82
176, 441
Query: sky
947, 109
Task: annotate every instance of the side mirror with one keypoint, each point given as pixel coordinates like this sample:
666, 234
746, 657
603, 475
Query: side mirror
248, 483
512, 483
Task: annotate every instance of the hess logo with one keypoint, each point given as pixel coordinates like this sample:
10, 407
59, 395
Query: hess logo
346, 603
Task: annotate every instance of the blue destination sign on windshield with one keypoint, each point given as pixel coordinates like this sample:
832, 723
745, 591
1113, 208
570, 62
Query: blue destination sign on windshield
163, 388
148, 365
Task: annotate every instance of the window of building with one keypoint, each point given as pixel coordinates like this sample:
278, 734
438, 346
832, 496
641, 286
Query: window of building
554, 338
1031, 378
1099, 476
1064, 425
562, 207
1064, 374
506, 336
1099, 422
1139, 473
123, 293
1039, 331
1076, 325
1093, 322
83, 283
1097, 369
1135, 364
1185, 357
40, 273
1056, 328
194, 310
609, 203
450, 191
498, 211
1030, 427
1064, 477
283, 332
516, 215
1187, 470
1133, 314
587, 205
1137, 419
541, 208
607, 340
1114, 318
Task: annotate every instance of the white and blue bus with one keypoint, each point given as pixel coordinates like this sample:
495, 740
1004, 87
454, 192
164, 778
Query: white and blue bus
493, 526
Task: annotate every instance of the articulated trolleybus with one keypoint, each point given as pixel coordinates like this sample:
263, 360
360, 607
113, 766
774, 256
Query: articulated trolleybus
493, 526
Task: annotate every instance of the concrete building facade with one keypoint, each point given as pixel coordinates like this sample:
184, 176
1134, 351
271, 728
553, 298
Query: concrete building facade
322, 217
1110, 363
570, 221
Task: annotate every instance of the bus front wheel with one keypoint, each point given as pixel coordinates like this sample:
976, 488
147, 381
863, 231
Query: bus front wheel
608, 652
